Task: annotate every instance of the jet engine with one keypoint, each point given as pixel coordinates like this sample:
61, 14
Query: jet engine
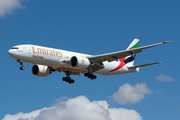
41, 70
81, 62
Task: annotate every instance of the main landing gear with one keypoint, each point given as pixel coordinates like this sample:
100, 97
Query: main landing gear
90, 75
21, 63
68, 79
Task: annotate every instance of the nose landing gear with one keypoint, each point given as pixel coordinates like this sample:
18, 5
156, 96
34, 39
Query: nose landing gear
22, 68
21, 63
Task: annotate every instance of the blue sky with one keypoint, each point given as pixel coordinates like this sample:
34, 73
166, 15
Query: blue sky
92, 27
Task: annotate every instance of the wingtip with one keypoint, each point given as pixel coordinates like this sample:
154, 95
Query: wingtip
166, 42
158, 63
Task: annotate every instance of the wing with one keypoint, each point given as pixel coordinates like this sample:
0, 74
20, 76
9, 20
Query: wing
98, 59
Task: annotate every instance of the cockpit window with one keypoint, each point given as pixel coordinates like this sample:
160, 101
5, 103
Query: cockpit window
15, 48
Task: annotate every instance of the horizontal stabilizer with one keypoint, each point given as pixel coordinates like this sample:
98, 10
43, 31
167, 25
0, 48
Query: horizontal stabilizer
138, 66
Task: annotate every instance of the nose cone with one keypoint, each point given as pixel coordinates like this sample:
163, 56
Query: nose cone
12, 53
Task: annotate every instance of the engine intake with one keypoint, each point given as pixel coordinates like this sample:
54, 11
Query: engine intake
41, 70
80, 62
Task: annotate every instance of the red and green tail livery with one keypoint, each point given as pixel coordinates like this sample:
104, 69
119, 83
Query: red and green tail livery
128, 59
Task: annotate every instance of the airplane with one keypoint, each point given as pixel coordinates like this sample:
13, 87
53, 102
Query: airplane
48, 60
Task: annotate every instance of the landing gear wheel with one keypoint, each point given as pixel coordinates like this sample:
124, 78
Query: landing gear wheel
72, 81
64, 78
85, 74
68, 80
94, 76
90, 75
22, 68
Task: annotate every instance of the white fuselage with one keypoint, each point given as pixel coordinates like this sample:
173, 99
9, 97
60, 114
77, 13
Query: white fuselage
55, 58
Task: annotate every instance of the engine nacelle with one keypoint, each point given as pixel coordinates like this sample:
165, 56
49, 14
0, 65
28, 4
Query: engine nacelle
81, 62
41, 70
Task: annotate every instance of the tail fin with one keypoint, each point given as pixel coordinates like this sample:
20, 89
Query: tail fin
134, 44
130, 59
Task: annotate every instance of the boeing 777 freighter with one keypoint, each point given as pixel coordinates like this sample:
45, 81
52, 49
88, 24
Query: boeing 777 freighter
48, 60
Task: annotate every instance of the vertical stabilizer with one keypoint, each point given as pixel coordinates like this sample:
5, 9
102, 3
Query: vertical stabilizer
130, 59
134, 44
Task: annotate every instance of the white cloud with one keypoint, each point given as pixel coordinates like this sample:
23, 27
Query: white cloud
29, 116
124, 114
7, 6
131, 94
165, 78
79, 108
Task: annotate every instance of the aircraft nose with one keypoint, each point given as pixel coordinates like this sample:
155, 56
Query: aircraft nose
12, 53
